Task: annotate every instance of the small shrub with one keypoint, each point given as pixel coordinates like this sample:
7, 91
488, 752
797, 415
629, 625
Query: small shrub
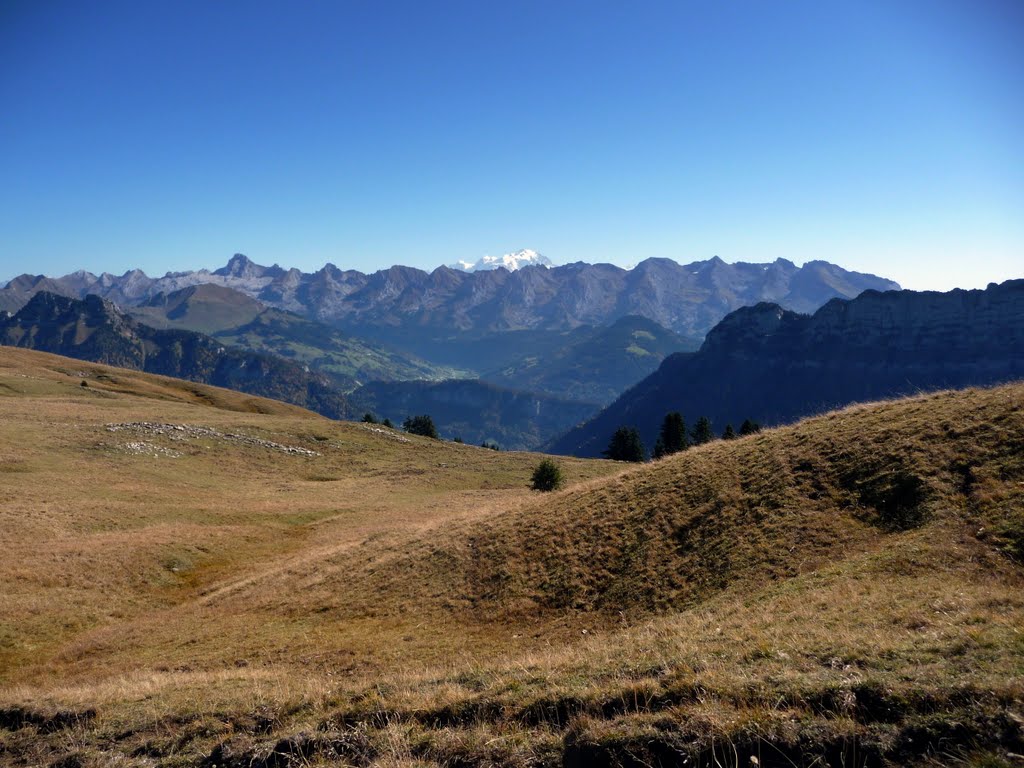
369, 418
547, 476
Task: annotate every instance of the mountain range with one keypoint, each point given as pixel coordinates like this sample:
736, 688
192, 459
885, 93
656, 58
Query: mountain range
441, 315
775, 366
550, 345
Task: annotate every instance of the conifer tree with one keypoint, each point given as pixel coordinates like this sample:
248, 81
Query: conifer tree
547, 476
702, 431
626, 445
672, 438
728, 434
749, 427
420, 425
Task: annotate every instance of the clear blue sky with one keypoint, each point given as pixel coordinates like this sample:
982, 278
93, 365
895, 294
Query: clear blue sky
884, 135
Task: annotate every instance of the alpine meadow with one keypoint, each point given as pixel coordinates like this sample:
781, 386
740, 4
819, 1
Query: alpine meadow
512, 385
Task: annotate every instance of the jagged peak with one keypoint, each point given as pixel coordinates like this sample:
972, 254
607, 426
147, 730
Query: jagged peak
237, 266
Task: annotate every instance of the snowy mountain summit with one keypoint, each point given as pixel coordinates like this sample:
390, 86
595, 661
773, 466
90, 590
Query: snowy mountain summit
510, 261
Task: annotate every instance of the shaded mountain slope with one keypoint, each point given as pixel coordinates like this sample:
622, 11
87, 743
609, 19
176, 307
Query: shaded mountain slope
20, 290
205, 308
238, 320
774, 366
348, 361
474, 411
596, 366
94, 329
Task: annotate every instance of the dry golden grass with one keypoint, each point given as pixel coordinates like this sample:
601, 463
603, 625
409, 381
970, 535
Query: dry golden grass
847, 590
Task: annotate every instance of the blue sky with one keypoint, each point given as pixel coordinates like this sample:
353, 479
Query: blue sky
883, 135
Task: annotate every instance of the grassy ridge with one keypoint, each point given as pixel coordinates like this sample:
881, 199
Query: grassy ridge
846, 590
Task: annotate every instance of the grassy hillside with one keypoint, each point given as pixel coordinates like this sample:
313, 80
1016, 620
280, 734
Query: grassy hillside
847, 591
349, 361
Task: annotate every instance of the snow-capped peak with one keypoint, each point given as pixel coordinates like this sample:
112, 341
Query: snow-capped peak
510, 261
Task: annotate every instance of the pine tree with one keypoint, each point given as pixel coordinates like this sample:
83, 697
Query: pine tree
626, 445
673, 435
547, 476
420, 425
728, 434
702, 431
369, 418
749, 427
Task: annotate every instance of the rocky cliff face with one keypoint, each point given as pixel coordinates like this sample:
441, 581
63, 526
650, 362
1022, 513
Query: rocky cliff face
775, 366
94, 329
688, 299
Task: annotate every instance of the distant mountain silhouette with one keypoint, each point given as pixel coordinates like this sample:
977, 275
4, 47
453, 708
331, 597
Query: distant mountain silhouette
775, 366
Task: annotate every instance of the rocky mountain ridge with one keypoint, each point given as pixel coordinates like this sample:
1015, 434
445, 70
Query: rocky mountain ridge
95, 329
407, 304
775, 366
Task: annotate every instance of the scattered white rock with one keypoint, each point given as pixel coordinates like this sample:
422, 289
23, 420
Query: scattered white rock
389, 433
142, 448
188, 431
